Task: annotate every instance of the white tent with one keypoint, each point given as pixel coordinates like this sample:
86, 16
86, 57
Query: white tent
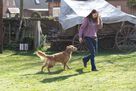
73, 11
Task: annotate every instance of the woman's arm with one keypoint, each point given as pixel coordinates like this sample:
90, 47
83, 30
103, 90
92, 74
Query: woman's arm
82, 27
100, 23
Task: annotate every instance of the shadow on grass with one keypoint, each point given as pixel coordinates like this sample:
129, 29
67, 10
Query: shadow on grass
118, 59
23, 53
41, 73
61, 78
51, 73
107, 61
80, 71
125, 57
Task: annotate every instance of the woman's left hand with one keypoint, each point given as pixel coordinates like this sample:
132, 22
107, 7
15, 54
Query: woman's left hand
80, 40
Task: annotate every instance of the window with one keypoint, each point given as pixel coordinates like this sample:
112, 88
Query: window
37, 1
119, 7
56, 11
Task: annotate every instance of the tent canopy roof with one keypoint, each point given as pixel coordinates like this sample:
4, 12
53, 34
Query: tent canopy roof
73, 11
13, 10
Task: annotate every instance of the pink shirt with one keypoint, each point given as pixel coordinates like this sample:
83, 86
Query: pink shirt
89, 28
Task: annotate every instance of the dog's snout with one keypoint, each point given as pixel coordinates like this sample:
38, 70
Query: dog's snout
75, 49
72, 48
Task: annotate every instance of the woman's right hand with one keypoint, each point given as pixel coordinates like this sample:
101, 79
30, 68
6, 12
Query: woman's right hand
80, 40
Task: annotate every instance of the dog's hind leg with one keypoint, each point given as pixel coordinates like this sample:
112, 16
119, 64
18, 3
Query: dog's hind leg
49, 69
64, 66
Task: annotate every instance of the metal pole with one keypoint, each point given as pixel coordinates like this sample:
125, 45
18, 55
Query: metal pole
1, 26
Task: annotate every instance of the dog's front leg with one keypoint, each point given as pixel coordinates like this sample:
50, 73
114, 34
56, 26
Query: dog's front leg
44, 65
42, 68
68, 66
65, 65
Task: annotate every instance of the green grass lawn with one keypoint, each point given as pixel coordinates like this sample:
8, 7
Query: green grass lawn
19, 72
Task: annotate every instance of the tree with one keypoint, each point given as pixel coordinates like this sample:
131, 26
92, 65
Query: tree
131, 3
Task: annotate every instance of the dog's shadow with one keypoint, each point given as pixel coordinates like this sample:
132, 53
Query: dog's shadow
50, 73
60, 78
41, 73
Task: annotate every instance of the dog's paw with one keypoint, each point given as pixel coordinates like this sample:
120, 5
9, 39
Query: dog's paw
40, 72
69, 68
50, 73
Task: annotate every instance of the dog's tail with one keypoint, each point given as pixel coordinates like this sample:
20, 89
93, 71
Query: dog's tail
41, 54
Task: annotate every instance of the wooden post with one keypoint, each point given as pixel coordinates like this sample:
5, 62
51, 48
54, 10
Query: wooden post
1, 26
21, 19
21, 8
37, 33
52, 7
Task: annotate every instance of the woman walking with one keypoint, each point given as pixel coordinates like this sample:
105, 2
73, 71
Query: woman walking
88, 31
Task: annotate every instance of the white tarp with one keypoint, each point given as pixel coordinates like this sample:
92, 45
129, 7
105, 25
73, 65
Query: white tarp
73, 11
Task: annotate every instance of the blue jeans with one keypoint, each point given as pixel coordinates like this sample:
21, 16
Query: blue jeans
91, 44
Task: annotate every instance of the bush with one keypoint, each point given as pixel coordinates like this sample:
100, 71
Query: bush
131, 3
29, 41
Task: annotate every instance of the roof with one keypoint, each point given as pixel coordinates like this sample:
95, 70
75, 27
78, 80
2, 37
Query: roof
13, 10
73, 12
53, 0
33, 4
38, 9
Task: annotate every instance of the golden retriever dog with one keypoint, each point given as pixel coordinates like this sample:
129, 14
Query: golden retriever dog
61, 57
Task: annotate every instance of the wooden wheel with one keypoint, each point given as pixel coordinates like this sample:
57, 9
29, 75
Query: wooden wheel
126, 38
80, 46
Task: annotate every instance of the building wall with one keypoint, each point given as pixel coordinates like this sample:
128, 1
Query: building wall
51, 5
7, 4
124, 6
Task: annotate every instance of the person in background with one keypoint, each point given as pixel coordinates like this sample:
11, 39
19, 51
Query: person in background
88, 32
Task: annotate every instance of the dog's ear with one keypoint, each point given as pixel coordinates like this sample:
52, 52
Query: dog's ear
73, 48
68, 47
36, 52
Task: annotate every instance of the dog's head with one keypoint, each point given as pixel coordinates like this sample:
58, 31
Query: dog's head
71, 48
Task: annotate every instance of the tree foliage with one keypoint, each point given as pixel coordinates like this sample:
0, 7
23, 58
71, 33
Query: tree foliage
131, 3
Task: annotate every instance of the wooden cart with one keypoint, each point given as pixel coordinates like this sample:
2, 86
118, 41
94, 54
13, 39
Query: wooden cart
119, 35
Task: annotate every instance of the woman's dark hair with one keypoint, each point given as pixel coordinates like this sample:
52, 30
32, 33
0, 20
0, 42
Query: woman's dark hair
91, 15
